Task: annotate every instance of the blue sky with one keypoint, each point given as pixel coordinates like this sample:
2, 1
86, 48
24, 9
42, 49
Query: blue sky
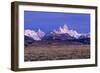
48, 21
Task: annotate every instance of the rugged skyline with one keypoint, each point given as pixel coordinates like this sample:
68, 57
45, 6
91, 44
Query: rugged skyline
39, 34
49, 21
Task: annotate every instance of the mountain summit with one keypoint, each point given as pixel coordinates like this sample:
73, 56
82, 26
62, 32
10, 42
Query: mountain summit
40, 33
33, 34
65, 29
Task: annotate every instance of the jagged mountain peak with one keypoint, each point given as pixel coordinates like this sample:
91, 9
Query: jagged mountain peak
65, 29
29, 32
33, 34
40, 33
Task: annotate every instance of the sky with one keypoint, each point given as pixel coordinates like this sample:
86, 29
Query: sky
48, 21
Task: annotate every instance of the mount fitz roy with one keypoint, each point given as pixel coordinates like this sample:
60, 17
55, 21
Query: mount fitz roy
61, 34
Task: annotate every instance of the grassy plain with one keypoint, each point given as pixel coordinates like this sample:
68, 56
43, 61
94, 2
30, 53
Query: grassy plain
56, 51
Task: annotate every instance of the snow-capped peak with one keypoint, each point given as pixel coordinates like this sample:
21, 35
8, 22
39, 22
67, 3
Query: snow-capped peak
40, 33
74, 33
65, 29
33, 34
29, 32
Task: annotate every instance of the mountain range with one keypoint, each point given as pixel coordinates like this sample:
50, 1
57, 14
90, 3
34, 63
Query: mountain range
62, 34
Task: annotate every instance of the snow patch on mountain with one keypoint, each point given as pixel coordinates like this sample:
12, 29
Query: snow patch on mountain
33, 34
